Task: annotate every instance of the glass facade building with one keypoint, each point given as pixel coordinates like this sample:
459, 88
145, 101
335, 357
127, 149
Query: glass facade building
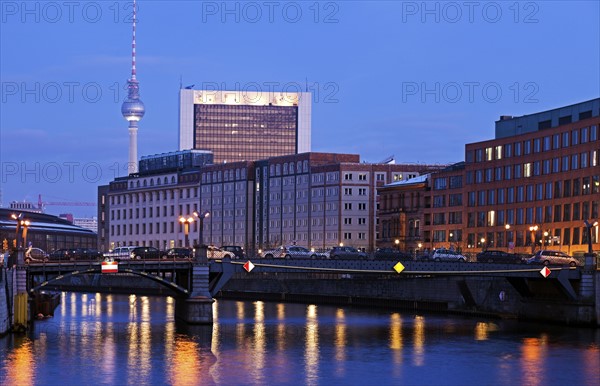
244, 126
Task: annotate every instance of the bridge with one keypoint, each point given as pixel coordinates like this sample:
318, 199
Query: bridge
450, 285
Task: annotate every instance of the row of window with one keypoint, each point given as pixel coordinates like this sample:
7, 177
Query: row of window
555, 238
135, 198
537, 145
537, 168
529, 193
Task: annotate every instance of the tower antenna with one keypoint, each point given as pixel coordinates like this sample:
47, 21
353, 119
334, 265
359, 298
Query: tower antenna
133, 108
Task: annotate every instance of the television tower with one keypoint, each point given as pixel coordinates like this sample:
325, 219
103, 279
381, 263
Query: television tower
133, 109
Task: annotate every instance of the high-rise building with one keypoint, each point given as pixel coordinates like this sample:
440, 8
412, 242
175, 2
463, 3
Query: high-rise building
244, 126
133, 109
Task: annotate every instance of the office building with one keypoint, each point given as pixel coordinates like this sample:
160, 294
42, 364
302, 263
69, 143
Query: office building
531, 187
244, 126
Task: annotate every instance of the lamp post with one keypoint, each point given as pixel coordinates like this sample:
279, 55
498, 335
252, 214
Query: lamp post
450, 239
186, 221
482, 243
589, 227
201, 217
507, 227
18, 219
545, 241
397, 242
533, 229
25, 225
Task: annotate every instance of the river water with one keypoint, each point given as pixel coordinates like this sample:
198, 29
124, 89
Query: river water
100, 339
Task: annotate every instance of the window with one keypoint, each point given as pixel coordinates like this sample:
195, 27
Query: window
556, 141
508, 150
507, 172
362, 206
526, 169
575, 161
527, 147
439, 183
547, 143
498, 151
489, 155
565, 139
347, 176
518, 149
537, 145
575, 137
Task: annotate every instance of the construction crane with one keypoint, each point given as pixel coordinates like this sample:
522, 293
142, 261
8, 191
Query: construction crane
41, 204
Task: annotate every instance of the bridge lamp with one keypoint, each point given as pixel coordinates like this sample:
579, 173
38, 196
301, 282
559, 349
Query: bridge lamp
533, 229
341, 244
397, 242
589, 227
186, 221
201, 217
18, 219
507, 227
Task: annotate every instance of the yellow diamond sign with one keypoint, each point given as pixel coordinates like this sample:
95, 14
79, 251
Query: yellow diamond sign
399, 267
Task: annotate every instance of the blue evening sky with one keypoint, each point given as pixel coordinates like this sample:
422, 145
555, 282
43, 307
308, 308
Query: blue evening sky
416, 80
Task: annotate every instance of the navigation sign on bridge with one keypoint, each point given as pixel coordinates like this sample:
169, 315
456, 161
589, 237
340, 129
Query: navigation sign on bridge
110, 267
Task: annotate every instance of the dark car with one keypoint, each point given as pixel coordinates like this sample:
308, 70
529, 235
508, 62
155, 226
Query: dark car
391, 253
145, 253
88, 254
235, 249
182, 253
63, 254
346, 253
491, 256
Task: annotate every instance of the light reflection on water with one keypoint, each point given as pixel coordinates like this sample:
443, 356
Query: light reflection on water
113, 339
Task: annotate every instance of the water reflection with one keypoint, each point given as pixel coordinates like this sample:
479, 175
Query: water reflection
114, 339
20, 365
311, 355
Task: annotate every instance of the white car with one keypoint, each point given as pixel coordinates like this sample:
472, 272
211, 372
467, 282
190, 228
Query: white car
292, 251
213, 252
442, 254
120, 253
547, 257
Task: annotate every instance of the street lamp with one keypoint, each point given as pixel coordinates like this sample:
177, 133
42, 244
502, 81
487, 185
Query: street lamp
482, 243
186, 221
507, 227
201, 217
545, 241
533, 229
397, 242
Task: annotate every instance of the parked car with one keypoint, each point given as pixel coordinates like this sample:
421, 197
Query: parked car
180, 253
120, 253
547, 257
88, 254
492, 256
442, 254
391, 253
235, 249
292, 251
35, 255
347, 253
145, 253
213, 252
63, 254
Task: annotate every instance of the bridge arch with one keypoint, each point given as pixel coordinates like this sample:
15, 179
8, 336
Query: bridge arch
175, 287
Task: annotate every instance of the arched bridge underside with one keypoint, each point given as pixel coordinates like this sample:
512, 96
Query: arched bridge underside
60, 273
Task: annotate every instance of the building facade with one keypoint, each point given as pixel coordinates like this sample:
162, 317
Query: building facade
531, 187
317, 200
244, 126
